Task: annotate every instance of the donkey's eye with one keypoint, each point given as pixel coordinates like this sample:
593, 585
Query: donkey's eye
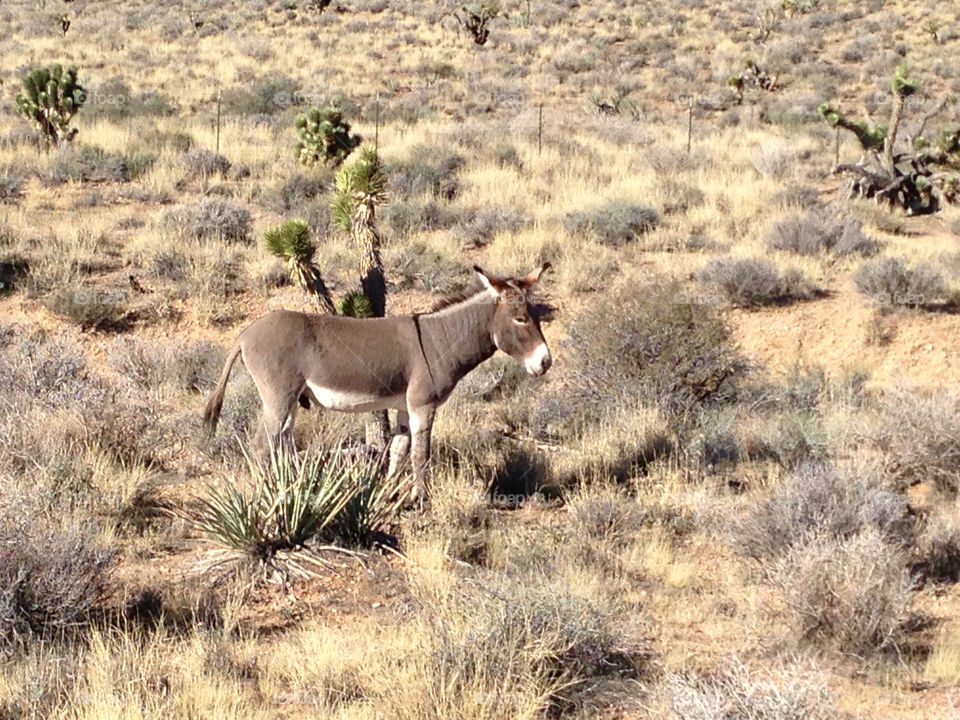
521, 320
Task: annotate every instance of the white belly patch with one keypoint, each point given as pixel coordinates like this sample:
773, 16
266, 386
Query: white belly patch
346, 401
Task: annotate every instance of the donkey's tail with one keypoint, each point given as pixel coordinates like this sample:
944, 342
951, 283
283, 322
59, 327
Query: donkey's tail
211, 413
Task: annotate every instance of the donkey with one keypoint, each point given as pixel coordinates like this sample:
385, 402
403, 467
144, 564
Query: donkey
410, 363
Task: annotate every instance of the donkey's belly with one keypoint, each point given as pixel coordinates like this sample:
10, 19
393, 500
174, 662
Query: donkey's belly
347, 401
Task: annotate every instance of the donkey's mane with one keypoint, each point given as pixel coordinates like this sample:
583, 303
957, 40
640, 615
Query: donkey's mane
455, 299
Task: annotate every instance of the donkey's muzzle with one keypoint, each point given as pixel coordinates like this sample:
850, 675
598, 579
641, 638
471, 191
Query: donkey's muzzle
539, 361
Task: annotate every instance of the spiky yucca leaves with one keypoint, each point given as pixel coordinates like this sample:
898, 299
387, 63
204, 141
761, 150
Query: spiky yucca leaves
360, 188
324, 136
356, 304
375, 502
291, 243
51, 97
291, 501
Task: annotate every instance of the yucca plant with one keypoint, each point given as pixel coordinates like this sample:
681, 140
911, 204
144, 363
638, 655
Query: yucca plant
375, 501
291, 243
50, 98
360, 188
355, 304
324, 136
292, 500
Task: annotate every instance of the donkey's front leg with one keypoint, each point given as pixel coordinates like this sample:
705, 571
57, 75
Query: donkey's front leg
421, 423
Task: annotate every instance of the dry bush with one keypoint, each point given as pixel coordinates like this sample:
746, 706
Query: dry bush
211, 218
819, 231
481, 226
938, 548
818, 497
891, 283
202, 163
505, 649
733, 692
87, 164
662, 350
52, 580
614, 223
851, 593
434, 172
917, 436
749, 282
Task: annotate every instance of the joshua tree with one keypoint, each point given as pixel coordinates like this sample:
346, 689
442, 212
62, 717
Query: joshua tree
916, 179
51, 97
475, 19
361, 187
324, 136
291, 243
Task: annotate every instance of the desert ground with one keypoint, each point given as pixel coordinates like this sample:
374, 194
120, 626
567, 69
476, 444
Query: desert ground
733, 496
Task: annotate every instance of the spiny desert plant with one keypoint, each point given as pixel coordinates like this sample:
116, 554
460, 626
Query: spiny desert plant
292, 500
51, 97
324, 136
918, 179
355, 304
476, 18
360, 188
291, 243
375, 501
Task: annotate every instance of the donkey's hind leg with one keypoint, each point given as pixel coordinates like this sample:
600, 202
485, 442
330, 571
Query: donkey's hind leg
276, 426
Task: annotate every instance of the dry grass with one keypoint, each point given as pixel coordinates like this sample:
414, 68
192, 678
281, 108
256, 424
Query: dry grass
578, 560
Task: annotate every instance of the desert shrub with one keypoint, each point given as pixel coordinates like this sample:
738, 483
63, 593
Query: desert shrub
609, 515
87, 164
917, 436
515, 650
211, 218
114, 100
482, 225
733, 692
803, 196
299, 189
773, 160
614, 223
891, 283
405, 217
51, 580
851, 593
264, 96
11, 189
418, 266
749, 282
661, 350
434, 171
203, 163
192, 367
834, 502
90, 308
939, 551
818, 232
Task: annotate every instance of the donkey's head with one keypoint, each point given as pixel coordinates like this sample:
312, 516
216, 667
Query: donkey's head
515, 328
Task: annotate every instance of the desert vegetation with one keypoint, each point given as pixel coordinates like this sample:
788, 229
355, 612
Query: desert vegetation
734, 495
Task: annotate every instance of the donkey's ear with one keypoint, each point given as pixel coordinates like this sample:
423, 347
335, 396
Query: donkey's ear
533, 277
490, 282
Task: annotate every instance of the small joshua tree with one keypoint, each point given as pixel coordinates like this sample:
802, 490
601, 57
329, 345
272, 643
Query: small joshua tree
361, 187
916, 179
324, 136
291, 243
51, 97
475, 19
